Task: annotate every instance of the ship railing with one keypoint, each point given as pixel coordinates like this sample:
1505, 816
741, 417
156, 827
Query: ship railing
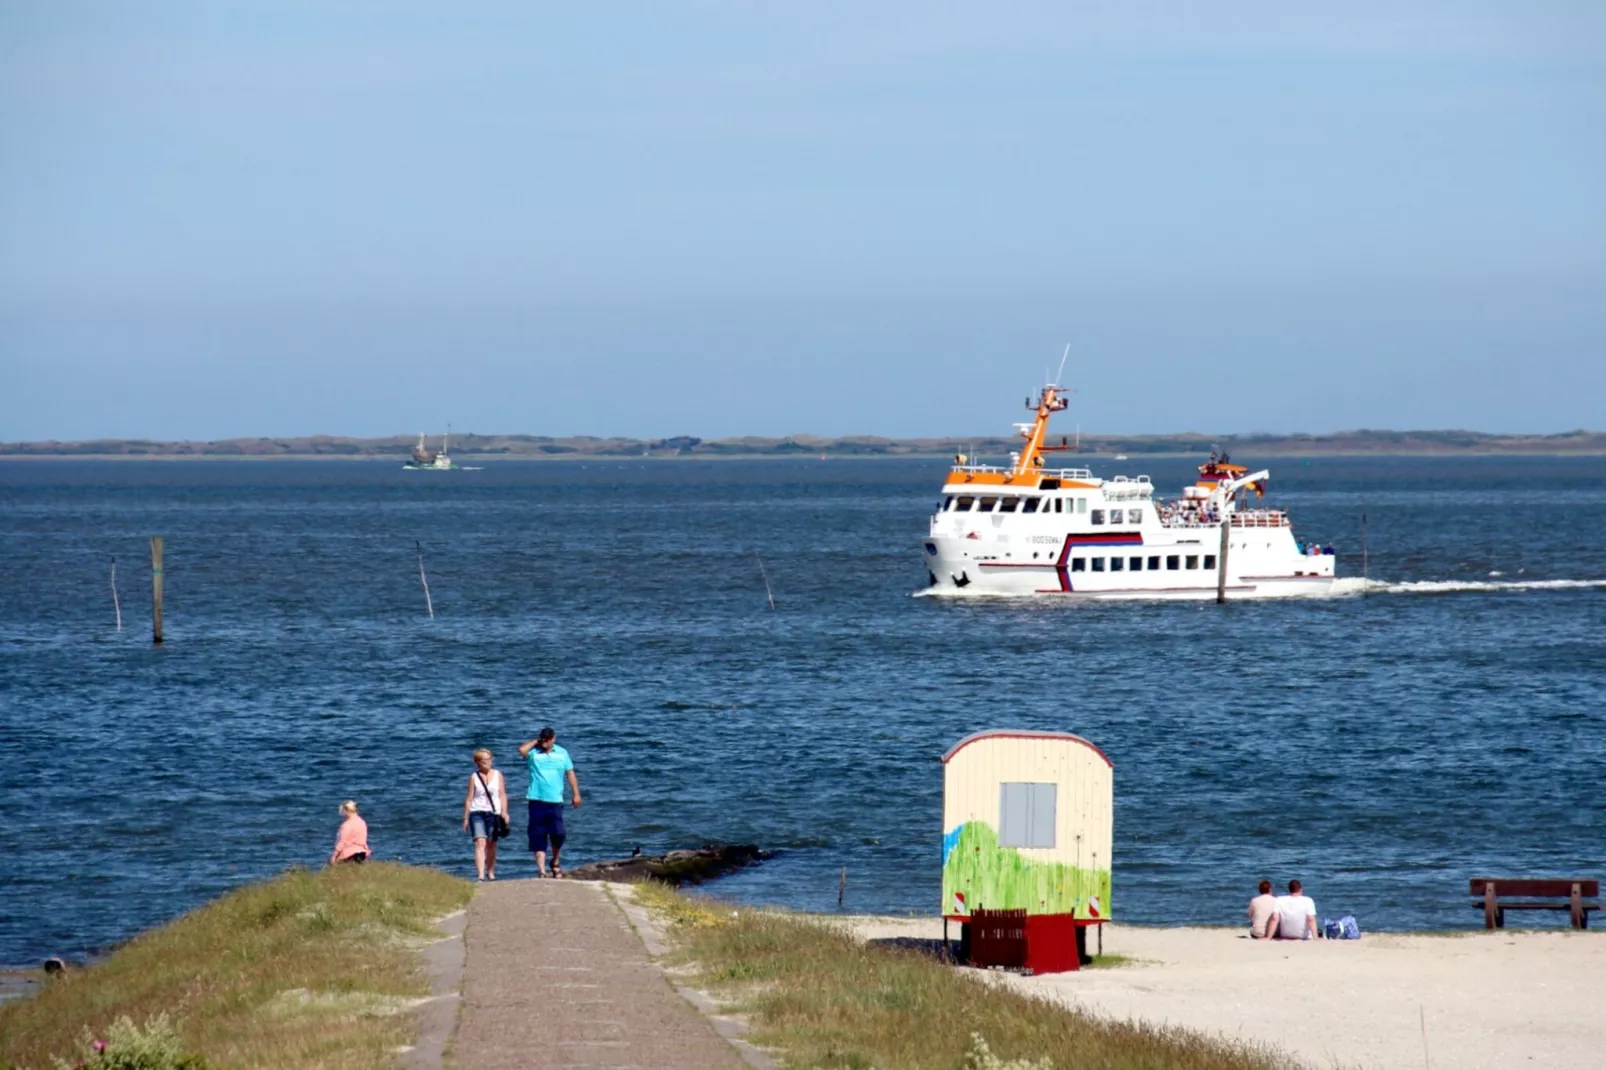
1047, 473
1259, 518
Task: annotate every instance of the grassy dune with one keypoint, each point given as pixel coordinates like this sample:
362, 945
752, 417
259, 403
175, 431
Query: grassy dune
822, 999
306, 970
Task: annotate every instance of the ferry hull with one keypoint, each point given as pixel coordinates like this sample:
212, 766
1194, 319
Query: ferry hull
976, 569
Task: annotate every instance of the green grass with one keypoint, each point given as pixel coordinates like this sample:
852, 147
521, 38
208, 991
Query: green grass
305, 970
820, 998
1111, 962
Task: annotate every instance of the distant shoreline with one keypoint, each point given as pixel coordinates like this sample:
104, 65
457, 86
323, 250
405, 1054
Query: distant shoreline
1070, 461
396, 449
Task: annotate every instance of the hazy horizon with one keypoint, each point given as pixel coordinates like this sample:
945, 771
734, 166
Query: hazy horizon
435, 435
714, 219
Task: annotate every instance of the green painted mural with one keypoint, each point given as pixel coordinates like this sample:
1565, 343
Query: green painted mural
978, 873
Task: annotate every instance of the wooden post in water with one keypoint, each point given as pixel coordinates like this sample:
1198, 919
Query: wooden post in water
117, 605
1364, 570
767, 592
429, 602
1221, 558
156, 589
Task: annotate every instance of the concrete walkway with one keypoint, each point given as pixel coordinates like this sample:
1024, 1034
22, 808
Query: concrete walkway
556, 977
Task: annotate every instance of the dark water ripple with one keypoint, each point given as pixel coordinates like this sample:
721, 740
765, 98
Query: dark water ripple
1383, 748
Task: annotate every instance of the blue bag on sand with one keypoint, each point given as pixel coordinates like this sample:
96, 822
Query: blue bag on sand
1345, 928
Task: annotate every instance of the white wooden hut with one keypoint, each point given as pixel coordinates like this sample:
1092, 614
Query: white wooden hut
1028, 825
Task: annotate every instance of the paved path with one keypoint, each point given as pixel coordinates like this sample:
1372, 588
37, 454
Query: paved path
556, 977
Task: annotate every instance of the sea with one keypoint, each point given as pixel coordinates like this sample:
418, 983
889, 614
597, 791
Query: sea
1443, 718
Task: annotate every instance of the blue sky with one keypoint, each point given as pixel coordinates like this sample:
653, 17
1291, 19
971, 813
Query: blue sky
715, 218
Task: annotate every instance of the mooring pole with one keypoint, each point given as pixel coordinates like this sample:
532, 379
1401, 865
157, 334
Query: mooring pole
1364, 574
767, 592
116, 604
429, 602
156, 589
1221, 558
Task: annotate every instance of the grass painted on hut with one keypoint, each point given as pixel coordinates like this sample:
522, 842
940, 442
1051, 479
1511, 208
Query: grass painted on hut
305, 970
821, 998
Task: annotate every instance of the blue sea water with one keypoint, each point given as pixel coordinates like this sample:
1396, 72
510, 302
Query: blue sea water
1381, 748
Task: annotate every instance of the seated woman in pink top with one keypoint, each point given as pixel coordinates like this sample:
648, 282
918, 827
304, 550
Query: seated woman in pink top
352, 843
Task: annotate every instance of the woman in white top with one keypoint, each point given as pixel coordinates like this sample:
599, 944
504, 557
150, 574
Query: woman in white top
485, 802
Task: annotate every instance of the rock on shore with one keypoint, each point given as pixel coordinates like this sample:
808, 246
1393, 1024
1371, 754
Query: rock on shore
674, 867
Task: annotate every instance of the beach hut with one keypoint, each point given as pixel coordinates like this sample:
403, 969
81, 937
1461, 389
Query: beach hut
1028, 824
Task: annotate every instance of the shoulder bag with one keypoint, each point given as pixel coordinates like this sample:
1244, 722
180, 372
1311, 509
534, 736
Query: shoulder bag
501, 829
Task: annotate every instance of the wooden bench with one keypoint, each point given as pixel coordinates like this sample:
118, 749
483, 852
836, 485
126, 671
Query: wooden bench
1578, 897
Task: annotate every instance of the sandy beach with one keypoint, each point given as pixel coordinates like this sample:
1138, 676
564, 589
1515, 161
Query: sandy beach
1465, 1000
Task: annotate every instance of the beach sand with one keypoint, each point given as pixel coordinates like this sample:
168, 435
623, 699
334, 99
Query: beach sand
1504, 999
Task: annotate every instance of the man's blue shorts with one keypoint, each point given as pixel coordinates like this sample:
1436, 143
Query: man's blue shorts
546, 823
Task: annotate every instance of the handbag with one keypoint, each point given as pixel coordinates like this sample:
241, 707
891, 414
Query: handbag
501, 829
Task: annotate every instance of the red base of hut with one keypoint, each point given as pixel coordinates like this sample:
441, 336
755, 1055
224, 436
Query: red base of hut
1012, 939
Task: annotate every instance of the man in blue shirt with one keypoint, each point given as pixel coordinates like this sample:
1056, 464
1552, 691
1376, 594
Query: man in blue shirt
549, 764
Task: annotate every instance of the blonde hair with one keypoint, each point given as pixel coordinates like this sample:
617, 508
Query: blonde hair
348, 807
485, 751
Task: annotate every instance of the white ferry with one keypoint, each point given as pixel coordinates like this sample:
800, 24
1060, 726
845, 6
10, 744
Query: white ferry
1030, 529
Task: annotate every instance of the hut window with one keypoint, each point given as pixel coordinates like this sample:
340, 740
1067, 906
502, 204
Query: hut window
1026, 815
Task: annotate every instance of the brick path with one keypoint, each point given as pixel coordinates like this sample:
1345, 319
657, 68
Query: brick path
555, 977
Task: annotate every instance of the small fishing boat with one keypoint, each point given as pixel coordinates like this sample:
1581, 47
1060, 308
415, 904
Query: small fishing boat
424, 459
1031, 529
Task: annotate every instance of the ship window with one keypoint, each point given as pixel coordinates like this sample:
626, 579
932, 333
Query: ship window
1009, 504
1173, 562
1210, 561
1154, 563
1026, 814
1098, 515
1193, 560
947, 504
1116, 564
1030, 505
986, 505
1057, 503
1135, 564
1098, 564
963, 504
1078, 564
1081, 505
1134, 516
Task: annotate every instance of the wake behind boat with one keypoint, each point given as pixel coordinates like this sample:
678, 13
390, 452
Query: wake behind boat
1030, 529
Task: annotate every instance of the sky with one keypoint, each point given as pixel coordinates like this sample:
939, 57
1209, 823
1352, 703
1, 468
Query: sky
648, 219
